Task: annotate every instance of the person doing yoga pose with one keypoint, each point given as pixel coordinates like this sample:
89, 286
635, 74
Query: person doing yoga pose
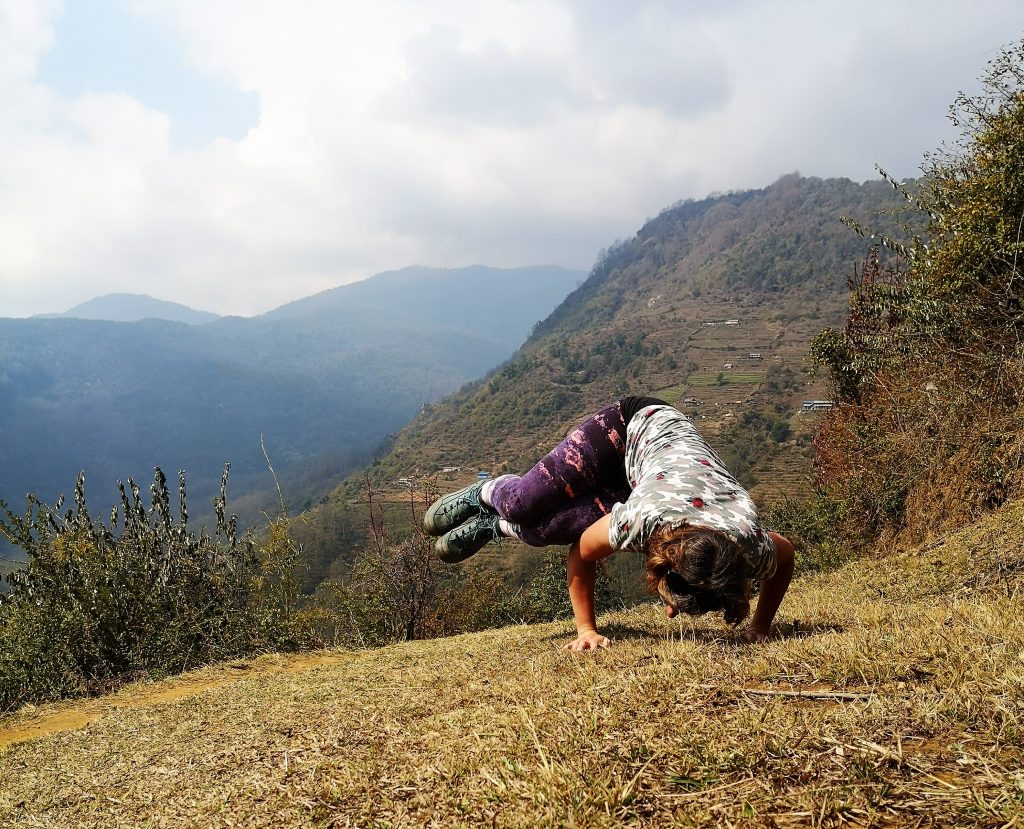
634, 476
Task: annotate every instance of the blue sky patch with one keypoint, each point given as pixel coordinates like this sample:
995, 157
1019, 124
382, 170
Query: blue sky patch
101, 47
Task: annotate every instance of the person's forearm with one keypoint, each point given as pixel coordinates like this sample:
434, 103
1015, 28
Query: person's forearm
581, 575
772, 592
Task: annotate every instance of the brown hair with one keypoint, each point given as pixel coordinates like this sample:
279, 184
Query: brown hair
698, 570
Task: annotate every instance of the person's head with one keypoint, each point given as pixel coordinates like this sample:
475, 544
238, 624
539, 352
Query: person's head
698, 570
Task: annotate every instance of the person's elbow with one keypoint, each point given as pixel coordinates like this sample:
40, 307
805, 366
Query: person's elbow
595, 550
594, 543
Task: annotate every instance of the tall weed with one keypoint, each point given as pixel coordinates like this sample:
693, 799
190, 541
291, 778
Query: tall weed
98, 604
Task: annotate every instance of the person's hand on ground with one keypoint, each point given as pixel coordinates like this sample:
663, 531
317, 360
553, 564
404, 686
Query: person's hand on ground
753, 635
589, 640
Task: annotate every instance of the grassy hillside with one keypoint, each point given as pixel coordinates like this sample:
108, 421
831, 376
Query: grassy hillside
893, 695
652, 318
678, 310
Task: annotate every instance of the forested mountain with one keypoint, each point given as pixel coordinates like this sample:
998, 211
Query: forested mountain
711, 305
132, 308
324, 382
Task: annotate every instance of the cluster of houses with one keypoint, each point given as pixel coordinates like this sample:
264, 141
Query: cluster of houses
409, 483
753, 355
817, 405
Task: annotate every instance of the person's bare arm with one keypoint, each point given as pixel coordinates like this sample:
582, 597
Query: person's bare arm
772, 591
581, 569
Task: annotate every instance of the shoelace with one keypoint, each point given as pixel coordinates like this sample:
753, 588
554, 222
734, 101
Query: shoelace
493, 525
486, 521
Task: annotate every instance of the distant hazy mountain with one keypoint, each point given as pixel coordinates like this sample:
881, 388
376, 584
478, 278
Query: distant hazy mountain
499, 303
134, 307
324, 380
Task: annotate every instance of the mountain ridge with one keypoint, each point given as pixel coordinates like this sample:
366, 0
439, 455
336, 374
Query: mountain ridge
130, 307
449, 297
651, 319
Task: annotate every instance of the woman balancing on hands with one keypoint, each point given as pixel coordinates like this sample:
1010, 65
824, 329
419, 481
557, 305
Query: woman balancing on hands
634, 476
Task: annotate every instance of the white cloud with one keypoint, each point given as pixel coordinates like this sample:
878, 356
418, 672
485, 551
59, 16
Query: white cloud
652, 54
447, 133
491, 85
25, 35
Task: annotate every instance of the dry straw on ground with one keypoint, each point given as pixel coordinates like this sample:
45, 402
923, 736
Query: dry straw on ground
893, 697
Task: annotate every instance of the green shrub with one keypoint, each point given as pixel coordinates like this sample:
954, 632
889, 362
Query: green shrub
94, 607
813, 525
545, 597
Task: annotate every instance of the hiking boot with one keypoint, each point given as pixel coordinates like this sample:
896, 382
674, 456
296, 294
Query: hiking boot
448, 511
468, 539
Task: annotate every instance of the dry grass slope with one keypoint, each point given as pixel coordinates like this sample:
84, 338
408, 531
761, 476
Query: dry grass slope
896, 700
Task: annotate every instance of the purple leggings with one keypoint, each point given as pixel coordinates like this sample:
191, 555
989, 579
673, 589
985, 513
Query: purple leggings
570, 487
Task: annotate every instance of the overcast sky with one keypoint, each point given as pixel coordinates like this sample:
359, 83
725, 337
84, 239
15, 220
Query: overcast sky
237, 154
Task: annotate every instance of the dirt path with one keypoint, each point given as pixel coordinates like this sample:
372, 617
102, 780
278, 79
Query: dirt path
31, 722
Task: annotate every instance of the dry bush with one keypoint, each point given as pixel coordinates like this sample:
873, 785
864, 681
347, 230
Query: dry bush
395, 588
929, 370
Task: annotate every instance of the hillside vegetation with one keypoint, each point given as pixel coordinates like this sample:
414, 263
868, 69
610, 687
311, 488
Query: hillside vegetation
775, 260
892, 696
929, 368
654, 317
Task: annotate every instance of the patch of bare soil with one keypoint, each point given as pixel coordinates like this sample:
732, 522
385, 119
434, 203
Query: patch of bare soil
32, 722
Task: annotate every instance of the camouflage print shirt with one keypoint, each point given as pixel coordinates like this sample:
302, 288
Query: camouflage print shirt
676, 478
